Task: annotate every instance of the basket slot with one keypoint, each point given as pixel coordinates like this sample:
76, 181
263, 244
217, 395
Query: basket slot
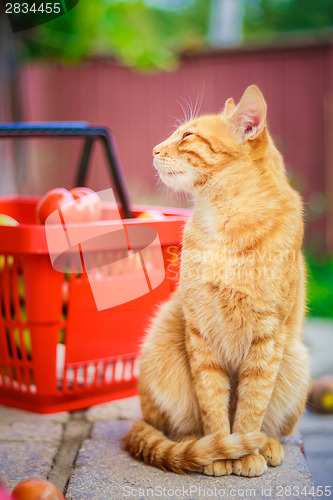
103, 373
80, 376
17, 290
85, 380
95, 377
70, 377
10, 350
99, 373
17, 377
75, 380
32, 382
108, 377
13, 344
103, 265
128, 369
5, 378
123, 370
109, 265
136, 368
5, 289
119, 371
11, 373
106, 259
22, 340
23, 374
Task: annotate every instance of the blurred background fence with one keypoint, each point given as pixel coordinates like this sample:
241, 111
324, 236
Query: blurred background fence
141, 109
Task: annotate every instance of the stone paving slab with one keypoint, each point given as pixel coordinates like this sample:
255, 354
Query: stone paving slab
128, 408
317, 434
320, 444
46, 431
321, 471
23, 460
28, 444
104, 471
108, 430
14, 415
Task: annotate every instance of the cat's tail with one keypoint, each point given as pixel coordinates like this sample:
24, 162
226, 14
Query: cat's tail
144, 442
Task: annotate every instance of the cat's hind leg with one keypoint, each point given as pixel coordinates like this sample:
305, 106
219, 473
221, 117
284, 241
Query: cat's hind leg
288, 400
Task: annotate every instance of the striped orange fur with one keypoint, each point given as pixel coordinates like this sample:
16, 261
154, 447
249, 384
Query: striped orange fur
224, 372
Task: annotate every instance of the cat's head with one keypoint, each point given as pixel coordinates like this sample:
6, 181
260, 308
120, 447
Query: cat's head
191, 156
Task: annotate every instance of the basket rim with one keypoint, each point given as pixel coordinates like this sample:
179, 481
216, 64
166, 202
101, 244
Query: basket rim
31, 238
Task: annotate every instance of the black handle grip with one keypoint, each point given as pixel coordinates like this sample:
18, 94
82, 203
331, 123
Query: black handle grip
90, 134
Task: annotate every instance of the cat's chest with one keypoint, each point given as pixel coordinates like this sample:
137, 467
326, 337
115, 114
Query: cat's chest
214, 265
209, 277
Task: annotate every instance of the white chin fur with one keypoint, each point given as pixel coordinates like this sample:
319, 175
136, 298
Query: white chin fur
177, 176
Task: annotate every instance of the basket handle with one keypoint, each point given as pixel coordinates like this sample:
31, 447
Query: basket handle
90, 134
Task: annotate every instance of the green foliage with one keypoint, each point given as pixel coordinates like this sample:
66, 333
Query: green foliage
269, 17
138, 35
147, 37
320, 284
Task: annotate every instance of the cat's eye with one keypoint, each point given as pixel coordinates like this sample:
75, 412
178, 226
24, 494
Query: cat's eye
186, 134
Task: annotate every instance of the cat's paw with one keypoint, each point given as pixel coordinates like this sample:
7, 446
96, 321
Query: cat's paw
218, 468
250, 465
273, 452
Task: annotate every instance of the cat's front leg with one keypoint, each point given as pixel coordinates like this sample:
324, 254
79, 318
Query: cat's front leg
212, 386
256, 380
211, 382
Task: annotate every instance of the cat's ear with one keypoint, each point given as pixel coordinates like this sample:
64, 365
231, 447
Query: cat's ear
249, 117
229, 107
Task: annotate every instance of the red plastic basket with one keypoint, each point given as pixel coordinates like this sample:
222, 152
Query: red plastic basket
57, 351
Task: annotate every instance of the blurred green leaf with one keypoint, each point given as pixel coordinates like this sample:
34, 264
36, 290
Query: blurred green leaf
138, 35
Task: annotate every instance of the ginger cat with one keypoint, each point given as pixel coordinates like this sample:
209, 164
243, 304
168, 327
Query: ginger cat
224, 373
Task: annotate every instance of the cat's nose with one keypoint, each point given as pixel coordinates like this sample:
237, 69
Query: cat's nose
156, 151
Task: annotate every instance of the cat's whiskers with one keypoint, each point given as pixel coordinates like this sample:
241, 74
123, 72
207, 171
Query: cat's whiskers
198, 104
182, 122
191, 113
177, 122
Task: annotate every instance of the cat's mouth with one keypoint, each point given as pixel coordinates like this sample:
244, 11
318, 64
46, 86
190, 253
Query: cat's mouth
169, 172
166, 169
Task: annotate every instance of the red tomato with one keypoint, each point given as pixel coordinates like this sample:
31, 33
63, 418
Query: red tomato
77, 205
36, 489
89, 206
53, 200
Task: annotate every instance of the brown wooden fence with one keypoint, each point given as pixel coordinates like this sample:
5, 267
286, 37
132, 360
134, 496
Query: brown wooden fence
141, 109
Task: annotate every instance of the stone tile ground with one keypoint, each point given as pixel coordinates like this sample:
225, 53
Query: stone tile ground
28, 444
31, 446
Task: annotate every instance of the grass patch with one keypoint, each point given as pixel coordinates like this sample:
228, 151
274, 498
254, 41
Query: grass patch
320, 284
